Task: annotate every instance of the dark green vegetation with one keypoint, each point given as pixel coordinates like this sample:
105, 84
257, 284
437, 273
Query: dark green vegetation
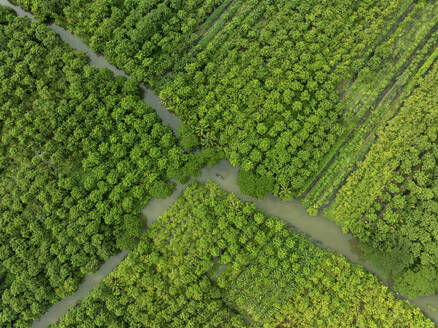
257, 79
80, 155
214, 261
296, 93
391, 201
265, 88
145, 38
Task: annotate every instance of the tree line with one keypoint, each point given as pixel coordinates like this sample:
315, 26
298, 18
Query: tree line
145, 38
375, 96
265, 88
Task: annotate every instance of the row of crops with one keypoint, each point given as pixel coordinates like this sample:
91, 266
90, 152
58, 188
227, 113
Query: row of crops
256, 79
376, 95
265, 88
145, 38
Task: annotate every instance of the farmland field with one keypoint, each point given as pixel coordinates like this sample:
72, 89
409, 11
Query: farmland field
80, 155
291, 91
214, 261
329, 102
405, 56
391, 201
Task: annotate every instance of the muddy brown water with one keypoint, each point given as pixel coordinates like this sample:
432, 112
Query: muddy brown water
322, 231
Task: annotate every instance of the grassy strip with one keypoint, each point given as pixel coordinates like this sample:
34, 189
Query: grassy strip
220, 23
222, 40
388, 31
220, 43
390, 28
322, 192
422, 71
404, 44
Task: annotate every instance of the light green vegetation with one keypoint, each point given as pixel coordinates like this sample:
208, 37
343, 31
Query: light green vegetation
214, 261
390, 201
295, 93
261, 84
377, 94
145, 38
265, 88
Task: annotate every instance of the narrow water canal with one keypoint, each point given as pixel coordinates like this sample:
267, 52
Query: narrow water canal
322, 231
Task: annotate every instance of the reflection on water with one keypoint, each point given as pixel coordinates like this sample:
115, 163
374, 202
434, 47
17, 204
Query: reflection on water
355, 248
319, 229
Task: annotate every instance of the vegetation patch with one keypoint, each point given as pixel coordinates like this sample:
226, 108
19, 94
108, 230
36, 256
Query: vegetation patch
390, 201
214, 261
80, 155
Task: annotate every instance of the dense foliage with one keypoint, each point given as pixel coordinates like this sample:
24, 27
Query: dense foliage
391, 201
80, 155
406, 52
145, 38
265, 89
258, 79
214, 261
293, 92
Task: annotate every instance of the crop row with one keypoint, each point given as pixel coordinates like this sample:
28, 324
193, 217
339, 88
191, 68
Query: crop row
377, 94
